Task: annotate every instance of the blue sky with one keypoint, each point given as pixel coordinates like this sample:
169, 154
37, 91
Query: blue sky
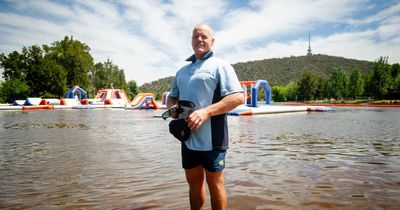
150, 39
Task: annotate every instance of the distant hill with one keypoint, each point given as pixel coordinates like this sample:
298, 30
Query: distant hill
278, 71
158, 87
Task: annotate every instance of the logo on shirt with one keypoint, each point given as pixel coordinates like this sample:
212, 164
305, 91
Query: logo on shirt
203, 71
221, 163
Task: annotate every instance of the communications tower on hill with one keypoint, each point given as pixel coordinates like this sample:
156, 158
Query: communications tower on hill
309, 53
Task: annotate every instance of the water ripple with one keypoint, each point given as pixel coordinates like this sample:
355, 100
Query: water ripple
117, 159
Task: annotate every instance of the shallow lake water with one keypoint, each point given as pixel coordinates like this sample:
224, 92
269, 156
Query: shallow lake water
126, 159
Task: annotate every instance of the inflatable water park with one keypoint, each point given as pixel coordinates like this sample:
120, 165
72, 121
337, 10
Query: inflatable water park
77, 98
251, 105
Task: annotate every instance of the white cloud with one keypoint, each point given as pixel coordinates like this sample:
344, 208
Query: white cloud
150, 39
385, 14
44, 7
17, 31
280, 17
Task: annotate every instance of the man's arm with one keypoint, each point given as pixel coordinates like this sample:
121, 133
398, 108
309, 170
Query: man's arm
172, 101
225, 105
229, 102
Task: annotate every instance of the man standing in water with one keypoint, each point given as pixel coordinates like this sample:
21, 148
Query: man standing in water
212, 85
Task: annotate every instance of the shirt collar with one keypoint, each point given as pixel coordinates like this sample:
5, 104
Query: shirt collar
205, 57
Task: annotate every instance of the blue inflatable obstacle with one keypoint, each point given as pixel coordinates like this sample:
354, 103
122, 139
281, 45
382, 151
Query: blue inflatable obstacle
250, 107
82, 94
255, 85
254, 92
28, 102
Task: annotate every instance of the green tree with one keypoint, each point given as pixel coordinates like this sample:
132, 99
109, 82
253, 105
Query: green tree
100, 79
75, 58
322, 90
50, 70
279, 93
52, 83
106, 74
11, 90
307, 86
338, 83
356, 83
394, 89
291, 91
33, 57
132, 89
380, 80
367, 78
14, 66
395, 92
44, 77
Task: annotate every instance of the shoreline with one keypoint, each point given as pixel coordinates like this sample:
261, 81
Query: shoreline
353, 103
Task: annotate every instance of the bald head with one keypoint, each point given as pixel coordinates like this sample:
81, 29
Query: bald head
204, 27
202, 40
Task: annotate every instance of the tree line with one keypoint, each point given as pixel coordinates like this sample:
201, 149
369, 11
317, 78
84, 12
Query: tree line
281, 71
291, 81
49, 71
382, 82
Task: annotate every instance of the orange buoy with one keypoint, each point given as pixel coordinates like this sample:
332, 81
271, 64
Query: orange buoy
38, 107
85, 102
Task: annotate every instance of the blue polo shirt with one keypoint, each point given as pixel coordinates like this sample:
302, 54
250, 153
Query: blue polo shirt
204, 82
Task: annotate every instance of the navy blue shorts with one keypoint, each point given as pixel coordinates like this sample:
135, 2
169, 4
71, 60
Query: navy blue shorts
212, 161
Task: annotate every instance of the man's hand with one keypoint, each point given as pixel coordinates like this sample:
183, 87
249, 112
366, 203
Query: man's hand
197, 118
173, 111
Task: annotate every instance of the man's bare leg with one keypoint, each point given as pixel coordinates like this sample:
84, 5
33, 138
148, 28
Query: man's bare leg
215, 181
197, 193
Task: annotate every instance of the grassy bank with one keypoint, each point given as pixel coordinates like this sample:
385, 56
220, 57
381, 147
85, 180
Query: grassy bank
365, 101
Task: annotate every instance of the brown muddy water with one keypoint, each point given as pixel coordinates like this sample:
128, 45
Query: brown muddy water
126, 159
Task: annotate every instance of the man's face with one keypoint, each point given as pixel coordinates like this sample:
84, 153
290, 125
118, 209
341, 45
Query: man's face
202, 41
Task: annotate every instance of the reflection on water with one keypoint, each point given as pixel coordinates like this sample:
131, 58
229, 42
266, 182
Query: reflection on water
117, 159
